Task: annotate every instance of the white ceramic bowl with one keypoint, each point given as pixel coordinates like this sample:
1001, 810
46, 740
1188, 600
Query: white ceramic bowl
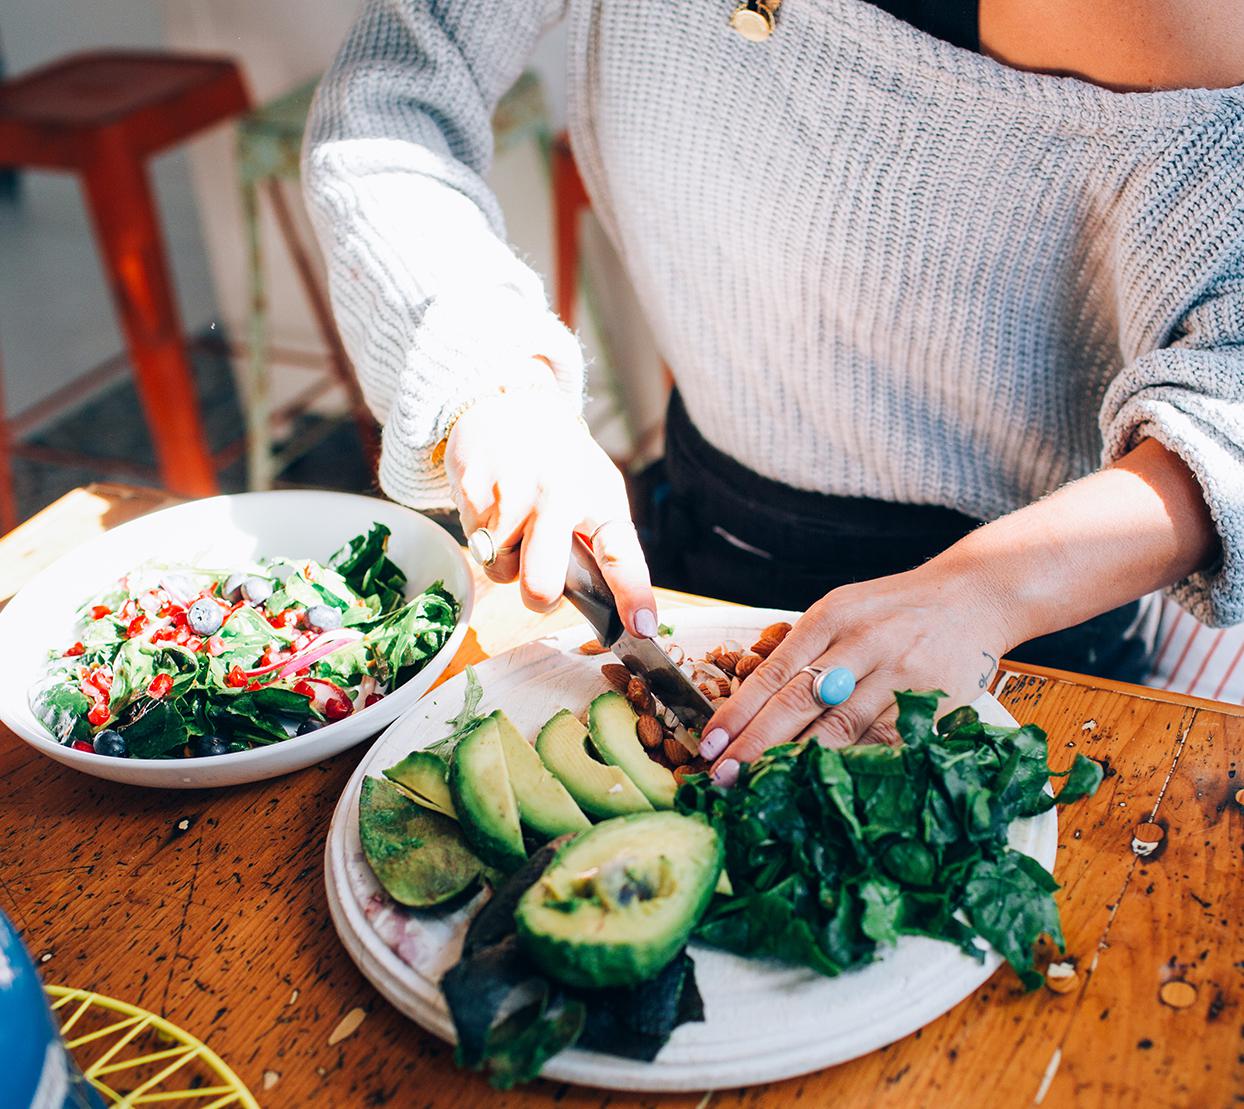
223, 531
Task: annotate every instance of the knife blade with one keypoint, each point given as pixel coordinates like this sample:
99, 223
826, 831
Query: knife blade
588, 591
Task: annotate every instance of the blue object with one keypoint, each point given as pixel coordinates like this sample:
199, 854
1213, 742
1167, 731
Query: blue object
38, 1072
834, 686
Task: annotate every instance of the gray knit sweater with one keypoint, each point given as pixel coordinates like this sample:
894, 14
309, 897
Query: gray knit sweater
878, 264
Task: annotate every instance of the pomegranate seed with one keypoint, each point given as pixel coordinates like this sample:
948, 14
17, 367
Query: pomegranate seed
194, 643
136, 626
160, 685
98, 612
306, 689
75, 650
98, 715
162, 635
372, 698
236, 677
215, 646
82, 745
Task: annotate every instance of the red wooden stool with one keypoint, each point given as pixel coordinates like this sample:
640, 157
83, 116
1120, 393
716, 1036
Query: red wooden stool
102, 116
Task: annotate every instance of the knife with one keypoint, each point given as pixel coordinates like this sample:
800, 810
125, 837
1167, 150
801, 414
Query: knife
588, 591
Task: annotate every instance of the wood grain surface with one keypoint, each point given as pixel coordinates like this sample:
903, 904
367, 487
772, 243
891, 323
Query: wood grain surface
209, 907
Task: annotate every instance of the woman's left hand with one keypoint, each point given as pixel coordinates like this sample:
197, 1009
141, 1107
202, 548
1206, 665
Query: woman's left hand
940, 626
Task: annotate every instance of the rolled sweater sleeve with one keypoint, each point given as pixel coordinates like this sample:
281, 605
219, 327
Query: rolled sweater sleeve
1180, 272
434, 307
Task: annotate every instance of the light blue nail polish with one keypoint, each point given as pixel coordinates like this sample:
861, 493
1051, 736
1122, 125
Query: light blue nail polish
727, 773
646, 622
713, 743
835, 686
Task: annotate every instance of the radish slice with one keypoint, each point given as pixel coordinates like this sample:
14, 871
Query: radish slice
325, 645
322, 645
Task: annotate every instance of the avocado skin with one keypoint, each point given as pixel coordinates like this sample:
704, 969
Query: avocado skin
418, 856
574, 955
496, 839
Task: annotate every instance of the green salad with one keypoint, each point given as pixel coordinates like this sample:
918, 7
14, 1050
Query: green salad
187, 661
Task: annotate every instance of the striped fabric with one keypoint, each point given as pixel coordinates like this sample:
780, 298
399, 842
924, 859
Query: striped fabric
1196, 660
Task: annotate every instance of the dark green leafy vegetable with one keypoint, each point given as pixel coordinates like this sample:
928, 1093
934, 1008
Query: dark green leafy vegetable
831, 853
367, 568
465, 722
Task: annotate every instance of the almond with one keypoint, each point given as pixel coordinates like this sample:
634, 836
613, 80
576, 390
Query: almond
638, 695
727, 660
616, 675
746, 665
675, 751
681, 772
770, 637
591, 647
651, 734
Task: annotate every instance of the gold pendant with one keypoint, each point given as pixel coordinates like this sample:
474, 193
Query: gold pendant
755, 19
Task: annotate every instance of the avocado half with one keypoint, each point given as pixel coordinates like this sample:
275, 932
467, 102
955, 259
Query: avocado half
617, 903
417, 855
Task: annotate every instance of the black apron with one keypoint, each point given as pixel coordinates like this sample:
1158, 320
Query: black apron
710, 525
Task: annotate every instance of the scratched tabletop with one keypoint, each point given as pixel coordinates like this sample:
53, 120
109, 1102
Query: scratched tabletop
209, 908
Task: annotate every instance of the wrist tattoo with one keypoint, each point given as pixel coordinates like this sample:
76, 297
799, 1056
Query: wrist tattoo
983, 681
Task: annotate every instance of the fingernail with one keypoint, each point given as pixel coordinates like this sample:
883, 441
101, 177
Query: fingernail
727, 773
713, 743
646, 622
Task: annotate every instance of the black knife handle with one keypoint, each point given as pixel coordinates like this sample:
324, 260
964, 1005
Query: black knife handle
588, 591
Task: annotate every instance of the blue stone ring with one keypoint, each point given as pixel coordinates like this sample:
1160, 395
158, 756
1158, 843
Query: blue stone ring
831, 687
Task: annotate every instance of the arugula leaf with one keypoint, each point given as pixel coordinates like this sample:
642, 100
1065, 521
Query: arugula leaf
466, 721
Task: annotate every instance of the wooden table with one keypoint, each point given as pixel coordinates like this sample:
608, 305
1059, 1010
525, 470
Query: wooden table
223, 926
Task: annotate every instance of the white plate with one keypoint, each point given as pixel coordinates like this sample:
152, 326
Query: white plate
223, 531
764, 1021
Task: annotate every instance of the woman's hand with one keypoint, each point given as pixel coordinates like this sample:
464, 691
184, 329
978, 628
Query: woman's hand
933, 627
523, 465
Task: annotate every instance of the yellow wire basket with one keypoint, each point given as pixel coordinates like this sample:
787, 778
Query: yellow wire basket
133, 1057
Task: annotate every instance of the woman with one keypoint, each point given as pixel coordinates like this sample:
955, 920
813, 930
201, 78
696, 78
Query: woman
908, 281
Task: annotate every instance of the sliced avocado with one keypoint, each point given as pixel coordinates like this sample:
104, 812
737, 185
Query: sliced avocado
601, 791
418, 856
479, 784
421, 776
611, 724
544, 806
618, 903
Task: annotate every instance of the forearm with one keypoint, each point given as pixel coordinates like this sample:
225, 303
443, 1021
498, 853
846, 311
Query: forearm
1098, 543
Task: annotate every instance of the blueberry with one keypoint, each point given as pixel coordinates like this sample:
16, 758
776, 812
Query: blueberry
233, 586
308, 725
111, 743
204, 746
323, 617
204, 617
257, 590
